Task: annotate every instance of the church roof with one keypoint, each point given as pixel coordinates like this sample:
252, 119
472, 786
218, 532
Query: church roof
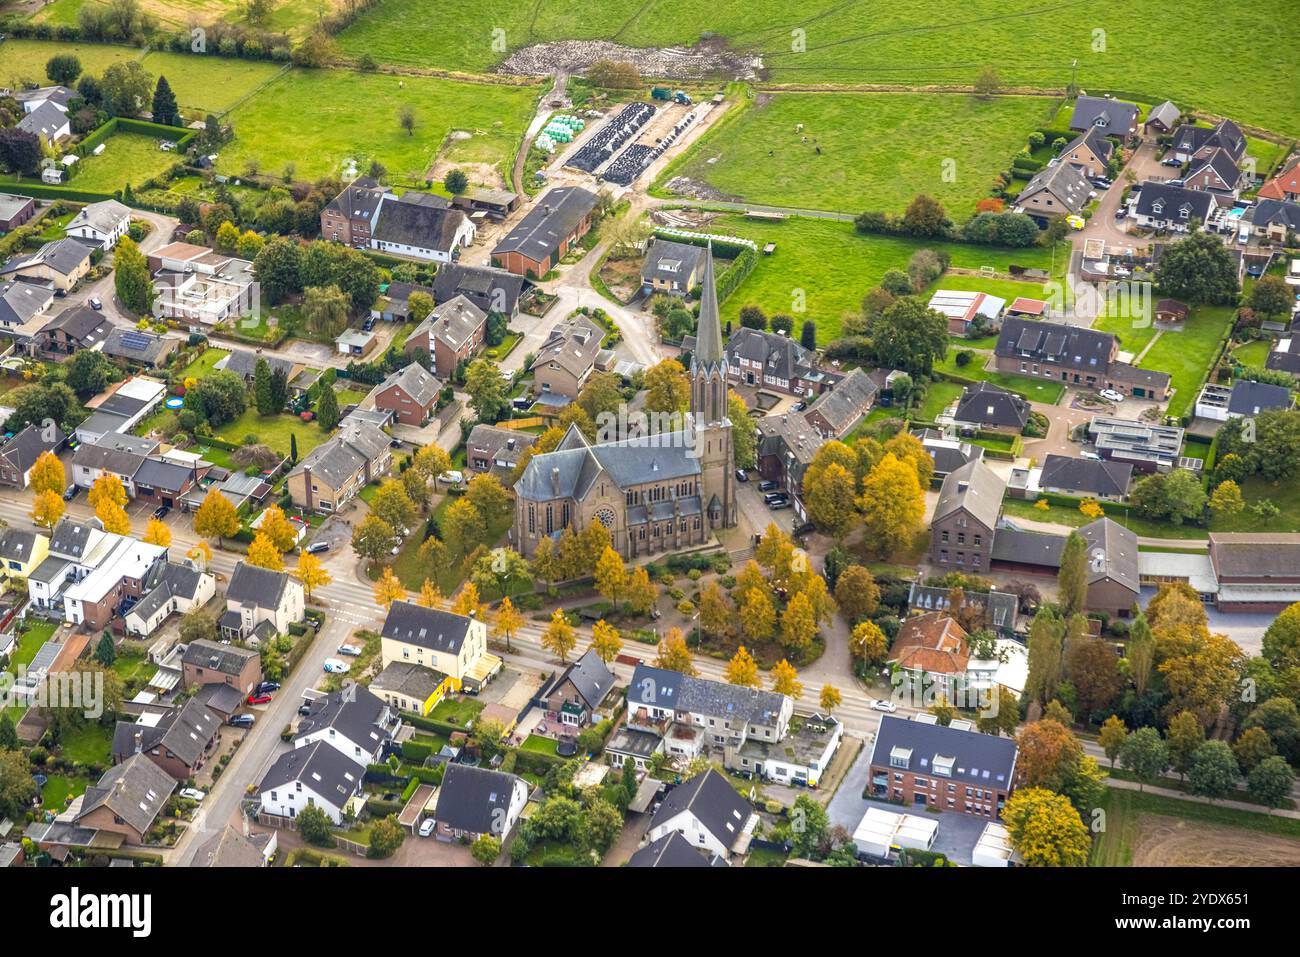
708, 342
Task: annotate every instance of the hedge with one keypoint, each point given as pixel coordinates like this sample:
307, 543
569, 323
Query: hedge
737, 273
428, 724
726, 248
416, 751
45, 191
178, 135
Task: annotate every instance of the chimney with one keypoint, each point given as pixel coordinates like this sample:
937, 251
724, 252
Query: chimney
555, 480
962, 487
139, 741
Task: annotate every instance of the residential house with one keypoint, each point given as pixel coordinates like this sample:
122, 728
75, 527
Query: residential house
15, 211
22, 308
200, 285
126, 800
566, 360
995, 610
556, 221
475, 801
491, 290
1059, 189
349, 217
1147, 446
672, 850
395, 306
318, 775
965, 517
1283, 357
180, 741
49, 123
231, 848
1275, 220
842, 408
786, 447
576, 697
101, 224
965, 310
243, 362
799, 759
137, 348
455, 645
671, 268
1113, 578
932, 651
452, 333
119, 409
209, 662
32, 99
1190, 140
92, 462
73, 330
709, 813
19, 453
421, 231
21, 552
1215, 171
1171, 208
1110, 116
161, 481
496, 450
987, 407
72, 549
1075, 356
1244, 398
170, 589
915, 763
407, 686
1085, 478
116, 580
1284, 187
353, 720
258, 597
949, 454
62, 263
1163, 118
1090, 152
771, 361
330, 475
410, 393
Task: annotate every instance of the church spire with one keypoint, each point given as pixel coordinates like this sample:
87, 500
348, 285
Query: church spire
708, 339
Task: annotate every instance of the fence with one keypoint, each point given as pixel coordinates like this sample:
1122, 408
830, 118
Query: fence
527, 423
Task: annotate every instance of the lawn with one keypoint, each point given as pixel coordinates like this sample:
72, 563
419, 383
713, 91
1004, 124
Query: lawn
30, 641
323, 121
539, 744
938, 396
204, 363
274, 431
24, 60
127, 158
91, 743
290, 16
1187, 355
135, 671
1133, 334
831, 266
1253, 353
919, 43
1069, 515
458, 711
58, 789
1037, 390
859, 151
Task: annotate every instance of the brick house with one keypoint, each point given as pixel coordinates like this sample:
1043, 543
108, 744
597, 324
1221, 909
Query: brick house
1075, 356
411, 394
349, 218
965, 517
540, 240
453, 333
208, 662
15, 211
579, 692
567, 358
127, 799
1090, 153
180, 743
333, 473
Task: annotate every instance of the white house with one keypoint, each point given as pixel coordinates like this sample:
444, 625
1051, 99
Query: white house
880, 831
352, 720
800, 758
420, 230
260, 602
474, 801
317, 775
709, 813
121, 409
121, 566
170, 589
101, 223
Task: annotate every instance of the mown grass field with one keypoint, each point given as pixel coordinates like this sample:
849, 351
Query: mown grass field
321, 120
859, 151
1187, 355
1145, 47
293, 16
127, 157
834, 266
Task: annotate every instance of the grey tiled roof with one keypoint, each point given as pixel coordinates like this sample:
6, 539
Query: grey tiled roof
260, 587
319, 766
1085, 475
492, 290
1069, 186
1252, 398
415, 382
26, 447
713, 801
981, 759
1112, 553
212, 655
1118, 115
669, 261
135, 791
21, 301
590, 677
1070, 346
974, 487
553, 218
17, 545
64, 256
474, 800
427, 627
1172, 200
988, 404
846, 402
671, 850
353, 712
672, 689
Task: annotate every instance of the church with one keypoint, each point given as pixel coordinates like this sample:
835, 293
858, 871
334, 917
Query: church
655, 493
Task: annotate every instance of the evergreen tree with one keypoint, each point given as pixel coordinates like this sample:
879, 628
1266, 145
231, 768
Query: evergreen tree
808, 336
262, 397
279, 389
1072, 580
106, 651
327, 409
293, 448
164, 103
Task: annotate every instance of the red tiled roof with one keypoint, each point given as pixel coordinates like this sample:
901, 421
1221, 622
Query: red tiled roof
932, 642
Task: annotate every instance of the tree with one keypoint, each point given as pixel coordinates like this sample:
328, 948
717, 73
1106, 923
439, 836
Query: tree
908, 448
1051, 757
1046, 642
277, 268
275, 526
63, 69
831, 500
388, 589
393, 505
1003, 717
667, 390
386, 836
868, 644
17, 789
165, 110
418, 306
1278, 718
126, 87
467, 601
311, 573
131, 277
1270, 782
107, 488
106, 650
830, 698
925, 216
1203, 675
1045, 829
89, 373
8, 733
742, 670
113, 517
1226, 500
1093, 668
485, 849
757, 616
559, 638
456, 182
798, 624
1143, 754
1214, 772
463, 527
987, 83
893, 506
430, 595
486, 390
673, 653
1199, 269
489, 496
1270, 297
47, 471
373, 538
809, 823
744, 432
508, 621
1112, 737
910, 336
785, 680
808, 335
1072, 579
752, 317
1251, 748
641, 591
325, 310
1141, 653
1183, 736
327, 409
47, 509
263, 553
605, 641
715, 610
157, 533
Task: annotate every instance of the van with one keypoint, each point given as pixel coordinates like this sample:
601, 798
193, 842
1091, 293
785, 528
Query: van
1090, 455
315, 548
1243, 236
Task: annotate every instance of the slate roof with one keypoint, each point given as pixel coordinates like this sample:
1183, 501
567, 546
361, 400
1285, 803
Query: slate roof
345, 454
671, 850
46, 120
71, 538
1095, 139
591, 678
779, 355
569, 471
1118, 116
1221, 162
713, 801
359, 199
27, 446
1166, 203
132, 344
474, 800
103, 217
1166, 114
980, 759
185, 733
1064, 345
492, 443
417, 224
214, 656
1270, 211
427, 627
1064, 181
1089, 476
1000, 609
492, 290
230, 848
415, 382
671, 262
572, 345
22, 301
846, 402
1227, 135
135, 791
353, 711
672, 689
1112, 553
974, 487
552, 219
261, 587
243, 362
453, 322
85, 325
64, 256
167, 476
1027, 547
988, 404
319, 766
17, 545
1252, 398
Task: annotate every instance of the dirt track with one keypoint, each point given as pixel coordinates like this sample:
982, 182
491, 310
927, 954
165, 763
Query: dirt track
1170, 842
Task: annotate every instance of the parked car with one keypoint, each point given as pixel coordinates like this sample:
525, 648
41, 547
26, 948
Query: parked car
266, 687
799, 406
880, 704
368, 325
161, 512
256, 698
451, 477
1090, 455
71, 492
241, 721
395, 444
193, 794
767, 485
742, 475
335, 667
304, 709
1174, 182
1110, 395
1101, 182
96, 304
1170, 161
316, 548
774, 497
778, 505
351, 650
426, 828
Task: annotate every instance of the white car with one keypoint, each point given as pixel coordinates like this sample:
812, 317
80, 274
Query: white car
351, 650
1092, 456
451, 477
335, 667
194, 794
1110, 395
880, 704
427, 827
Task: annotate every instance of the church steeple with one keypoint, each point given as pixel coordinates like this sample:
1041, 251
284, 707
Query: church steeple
708, 339
708, 366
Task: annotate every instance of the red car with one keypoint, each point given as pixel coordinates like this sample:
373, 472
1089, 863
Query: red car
259, 699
